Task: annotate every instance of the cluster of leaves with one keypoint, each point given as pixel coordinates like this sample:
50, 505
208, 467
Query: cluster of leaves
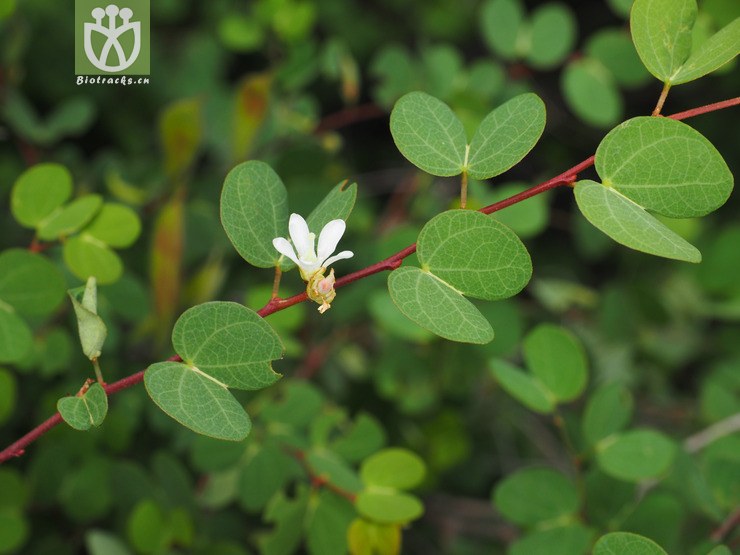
309, 465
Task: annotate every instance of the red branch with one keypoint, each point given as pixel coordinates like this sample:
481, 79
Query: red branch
568, 177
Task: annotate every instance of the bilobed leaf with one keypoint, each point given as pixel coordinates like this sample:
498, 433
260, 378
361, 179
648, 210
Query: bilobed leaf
526, 389
29, 282
429, 134
665, 166
228, 342
501, 22
553, 33
70, 218
86, 410
636, 455
608, 410
629, 224
477, 255
388, 507
87, 256
254, 211
116, 225
337, 205
661, 31
196, 401
16, 338
557, 496
591, 92
436, 306
393, 468
557, 358
571, 539
721, 47
506, 135
626, 543
39, 191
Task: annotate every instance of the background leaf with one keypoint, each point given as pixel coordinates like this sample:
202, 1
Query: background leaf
591, 93
609, 410
38, 192
393, 468
29, 282
86, 256
116, 225
70, 218
501, 22
553, 33
526, 389
636, 455
337, 205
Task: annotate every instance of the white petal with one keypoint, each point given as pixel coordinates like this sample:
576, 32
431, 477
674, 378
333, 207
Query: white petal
299, 235
329, 239
285, 248
341, 256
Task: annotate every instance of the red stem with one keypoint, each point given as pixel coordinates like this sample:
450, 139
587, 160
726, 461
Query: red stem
391, 263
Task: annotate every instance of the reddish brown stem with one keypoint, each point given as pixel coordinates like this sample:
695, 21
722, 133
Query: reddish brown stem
391, 263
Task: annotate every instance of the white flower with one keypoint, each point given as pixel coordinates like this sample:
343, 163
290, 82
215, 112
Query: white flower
309, 259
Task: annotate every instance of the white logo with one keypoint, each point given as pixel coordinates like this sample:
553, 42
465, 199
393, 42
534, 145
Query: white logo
112, 32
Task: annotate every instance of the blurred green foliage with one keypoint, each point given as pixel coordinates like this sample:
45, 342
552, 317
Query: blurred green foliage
494, 448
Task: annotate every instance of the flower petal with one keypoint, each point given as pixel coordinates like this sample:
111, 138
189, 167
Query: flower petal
299, 235
285, 248
341, 256
329, 239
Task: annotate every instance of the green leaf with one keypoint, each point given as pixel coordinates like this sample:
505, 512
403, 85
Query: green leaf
553, 33
720, 550
527, 218
665, 166
86, 410
506, 135
557, 358
573, 539
288, 516
629, 224
116, 225
92, 329
337, 205
329, 466
556, 496
266, 473
326, 526
609, 410
8, 391
102, 543
364, 438
205, 337
721, 47
146, 528
14, 531
254, 211
393, 468
39, 191
526, 389
614, 49
429, 134
70, 218
16, 338
196, 401
501, 22
87, 256
661, 31
475, 254
388, 507
625, 543
433, 304
636, 455
30, 283
591, 93
370, 538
